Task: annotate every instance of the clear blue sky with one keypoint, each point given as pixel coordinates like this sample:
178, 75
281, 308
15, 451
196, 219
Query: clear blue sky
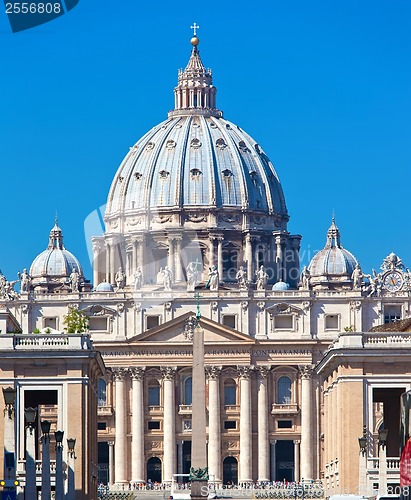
323, 86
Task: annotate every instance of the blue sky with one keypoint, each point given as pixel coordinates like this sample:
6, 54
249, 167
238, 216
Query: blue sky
323, 86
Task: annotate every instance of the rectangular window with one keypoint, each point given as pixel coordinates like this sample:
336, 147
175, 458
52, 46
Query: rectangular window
392, 312
283, 322
230, 424
154, 424
98, 324
152, 322
230, 395
285, 424
229, 320
101, 426
332, 322
50, 323
154, 395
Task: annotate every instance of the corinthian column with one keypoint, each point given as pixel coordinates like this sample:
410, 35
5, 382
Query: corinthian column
263, 443
137, 425
179, 270
220, 240
120, 469
214, 426
245, 424
169, 462
306, 454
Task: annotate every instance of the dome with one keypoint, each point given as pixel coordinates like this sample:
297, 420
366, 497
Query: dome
280, 286
194, 160
104, 287
333, 264
55, 265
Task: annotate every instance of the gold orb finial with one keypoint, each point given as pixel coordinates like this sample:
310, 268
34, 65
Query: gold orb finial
195, 41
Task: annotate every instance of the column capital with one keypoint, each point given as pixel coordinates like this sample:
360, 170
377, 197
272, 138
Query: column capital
296, 441
137, 372
110, 443
119, 373
273, 441
213, 372
306, 371
168, 372
245, 371
263, 371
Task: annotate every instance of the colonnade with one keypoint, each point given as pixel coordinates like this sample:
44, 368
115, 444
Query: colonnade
171, 459
138, 255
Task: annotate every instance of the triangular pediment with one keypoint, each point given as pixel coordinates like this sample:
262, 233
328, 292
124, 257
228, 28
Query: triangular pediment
178, 330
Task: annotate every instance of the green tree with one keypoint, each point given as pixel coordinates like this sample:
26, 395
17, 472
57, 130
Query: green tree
75, 321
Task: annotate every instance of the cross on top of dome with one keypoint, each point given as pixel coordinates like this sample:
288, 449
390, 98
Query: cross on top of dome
194, 27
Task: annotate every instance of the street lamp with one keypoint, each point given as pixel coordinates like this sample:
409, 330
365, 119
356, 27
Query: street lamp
362, 483
30, 489
71, 443
9, 439
382, 437
45, 460
59, 465
382, 470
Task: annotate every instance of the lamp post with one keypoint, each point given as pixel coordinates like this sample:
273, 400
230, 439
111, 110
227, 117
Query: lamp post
59, 465
9, 394
362, 482
45, 460
382, 470
30, 490
71, 488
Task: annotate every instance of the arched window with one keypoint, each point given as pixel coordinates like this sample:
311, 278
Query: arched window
283, 391
188, 391
102, 392
153, 393
230, 392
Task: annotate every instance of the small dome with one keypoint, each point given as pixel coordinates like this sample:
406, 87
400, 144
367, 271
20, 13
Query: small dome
53, 267
333, 265
280, 286
104, 287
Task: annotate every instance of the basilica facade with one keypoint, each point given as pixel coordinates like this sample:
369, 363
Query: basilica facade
196, 219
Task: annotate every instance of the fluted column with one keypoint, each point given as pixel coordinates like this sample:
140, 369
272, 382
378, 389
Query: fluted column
211, 252
108, 278
306, 422
245, 424
112, 261
137, 426
96, 262
263, 443
214, 424
279, 257
220, 240
170, 255
249, 255
120, 465
273, 467
169, 462
179, 270
140, 257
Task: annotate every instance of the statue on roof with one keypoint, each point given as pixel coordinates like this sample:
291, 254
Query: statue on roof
7, 291
138, 279
392, 262
305, 279
241, 278
262, 278
357, 277
120, 279
25, 281
192, 276
213, 279
167, 278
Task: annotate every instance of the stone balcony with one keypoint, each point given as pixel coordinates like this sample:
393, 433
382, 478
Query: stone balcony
284, 409
49, 341
185, 410
105, 411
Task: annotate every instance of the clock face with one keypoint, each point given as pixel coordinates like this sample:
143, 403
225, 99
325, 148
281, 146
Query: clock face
393, 281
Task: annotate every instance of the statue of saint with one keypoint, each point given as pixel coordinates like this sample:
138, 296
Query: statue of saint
213, 278
192, 276
357, 277
305, 278
74, 280
167, 278
120, 278
138, 279
241, 278
262, 278
25, 280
